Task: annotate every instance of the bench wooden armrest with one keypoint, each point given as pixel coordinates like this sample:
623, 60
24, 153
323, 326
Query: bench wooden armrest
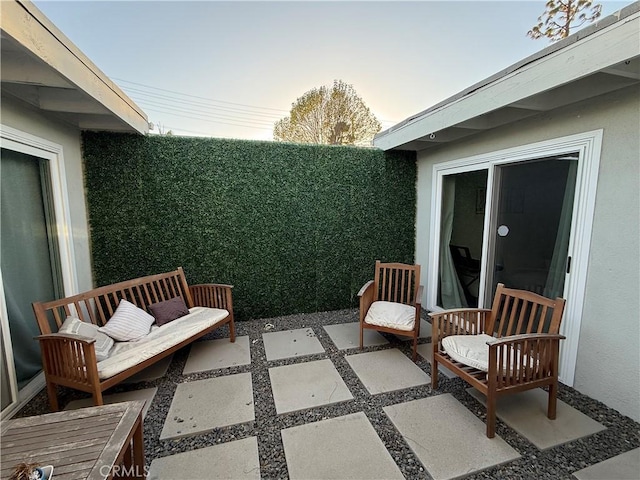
70, 337
215, 295
68, 360
212, 295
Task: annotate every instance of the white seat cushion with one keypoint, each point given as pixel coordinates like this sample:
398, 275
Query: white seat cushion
125, 355
391, 315
471, 350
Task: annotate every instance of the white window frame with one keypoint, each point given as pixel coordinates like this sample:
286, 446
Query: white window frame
22, 142
589, 146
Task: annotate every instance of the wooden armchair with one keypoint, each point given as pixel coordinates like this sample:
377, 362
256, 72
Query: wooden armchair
391, 302
511, 348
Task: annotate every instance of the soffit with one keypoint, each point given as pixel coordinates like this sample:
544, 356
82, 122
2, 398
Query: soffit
44, 69
597, 60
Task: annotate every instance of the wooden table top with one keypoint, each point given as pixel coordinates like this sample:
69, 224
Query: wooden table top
79, 444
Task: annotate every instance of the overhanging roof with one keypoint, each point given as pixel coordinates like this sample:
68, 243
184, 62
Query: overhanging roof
42, 67
599, 59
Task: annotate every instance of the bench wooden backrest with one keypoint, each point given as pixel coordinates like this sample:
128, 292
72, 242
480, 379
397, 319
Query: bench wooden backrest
97, 306
396, 282
515, 312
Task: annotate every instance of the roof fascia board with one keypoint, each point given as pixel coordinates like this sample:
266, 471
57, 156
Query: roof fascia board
600, 50
27, 25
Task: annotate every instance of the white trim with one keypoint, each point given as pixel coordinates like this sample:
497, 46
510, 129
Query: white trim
589, 145
16, 140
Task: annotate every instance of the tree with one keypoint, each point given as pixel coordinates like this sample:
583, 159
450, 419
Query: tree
329, 115
561, 16
161, 129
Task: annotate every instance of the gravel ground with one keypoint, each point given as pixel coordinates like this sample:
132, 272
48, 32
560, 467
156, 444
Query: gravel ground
622, 433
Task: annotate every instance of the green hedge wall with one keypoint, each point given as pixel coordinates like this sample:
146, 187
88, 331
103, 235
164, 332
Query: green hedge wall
295, 228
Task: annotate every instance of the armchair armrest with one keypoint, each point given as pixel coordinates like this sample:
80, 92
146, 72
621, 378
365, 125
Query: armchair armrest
519, 359
418, 302
212, 295
366, 294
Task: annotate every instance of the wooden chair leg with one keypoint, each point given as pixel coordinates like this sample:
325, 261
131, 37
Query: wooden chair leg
491, 415
552, 404
232, 331
97, 397
415, 348
361, 337
52, 393
434, 373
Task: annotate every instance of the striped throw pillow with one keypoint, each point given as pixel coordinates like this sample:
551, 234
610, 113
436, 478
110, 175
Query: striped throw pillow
128, 323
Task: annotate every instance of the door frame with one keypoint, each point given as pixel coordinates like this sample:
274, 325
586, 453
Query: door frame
588, 145
22, 142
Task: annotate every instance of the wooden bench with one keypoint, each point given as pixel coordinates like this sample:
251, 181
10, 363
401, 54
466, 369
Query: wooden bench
522, 355
70, 360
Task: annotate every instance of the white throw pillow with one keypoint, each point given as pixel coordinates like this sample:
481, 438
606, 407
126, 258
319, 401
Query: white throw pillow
391, 315
75, 326
128, 323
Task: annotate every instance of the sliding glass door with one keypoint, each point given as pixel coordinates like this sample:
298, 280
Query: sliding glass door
521, 217
29, 263
531, 225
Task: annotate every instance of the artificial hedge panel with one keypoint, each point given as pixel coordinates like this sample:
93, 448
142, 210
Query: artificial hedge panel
295, 228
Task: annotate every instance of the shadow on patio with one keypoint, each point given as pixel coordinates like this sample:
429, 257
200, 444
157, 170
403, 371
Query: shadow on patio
294, 397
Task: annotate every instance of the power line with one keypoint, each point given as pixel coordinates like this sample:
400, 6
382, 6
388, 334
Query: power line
137, 93
169, 108
206, 119
198, 97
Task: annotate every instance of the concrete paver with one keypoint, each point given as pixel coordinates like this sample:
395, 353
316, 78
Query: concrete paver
339, 448
625, 466
215, 354
204, 405
238, 460
448, 439
291, 343
386, 371
526, 413
145, 394
306, 385
347, 335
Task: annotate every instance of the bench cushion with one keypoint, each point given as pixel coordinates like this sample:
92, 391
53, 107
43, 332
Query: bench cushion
391, 315
128, 354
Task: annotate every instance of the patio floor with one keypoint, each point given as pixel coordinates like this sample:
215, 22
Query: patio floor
293, 397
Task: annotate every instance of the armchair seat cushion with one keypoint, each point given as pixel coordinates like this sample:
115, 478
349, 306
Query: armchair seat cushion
391, 315
471, 350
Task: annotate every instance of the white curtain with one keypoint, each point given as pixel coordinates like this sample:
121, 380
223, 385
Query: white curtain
451, 292
554, 287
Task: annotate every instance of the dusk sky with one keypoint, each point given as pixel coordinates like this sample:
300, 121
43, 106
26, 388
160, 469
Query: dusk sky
231, 69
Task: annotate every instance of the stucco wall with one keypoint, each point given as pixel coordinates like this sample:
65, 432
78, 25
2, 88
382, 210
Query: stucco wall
15, 115
608, 362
